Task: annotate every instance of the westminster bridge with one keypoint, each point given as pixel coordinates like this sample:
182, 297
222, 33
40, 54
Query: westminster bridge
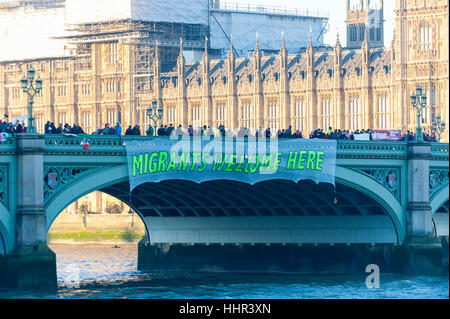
385, 193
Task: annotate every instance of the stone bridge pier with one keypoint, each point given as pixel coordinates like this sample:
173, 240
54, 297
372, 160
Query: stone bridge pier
419, 215
31, 265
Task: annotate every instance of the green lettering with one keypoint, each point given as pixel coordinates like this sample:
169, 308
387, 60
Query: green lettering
276, 163
138, 164
231, 162
217, 159
301, 159
172, 165
246, 169
254, 168
196, 156
266, 162
153, 167
184, 160
311, 158
292, 160
145, 163
222, 163
201, 169
162, 161
319, 160
241, 161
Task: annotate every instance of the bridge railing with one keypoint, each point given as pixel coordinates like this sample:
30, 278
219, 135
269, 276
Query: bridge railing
379, 149
8, 146
440, 150
115, 144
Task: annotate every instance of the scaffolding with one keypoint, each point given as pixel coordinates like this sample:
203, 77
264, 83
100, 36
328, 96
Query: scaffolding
141, 36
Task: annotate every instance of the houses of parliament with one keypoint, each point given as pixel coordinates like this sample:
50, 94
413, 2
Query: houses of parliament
363, 85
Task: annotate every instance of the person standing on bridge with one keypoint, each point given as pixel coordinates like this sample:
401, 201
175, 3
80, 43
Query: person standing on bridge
118, 129
149, 131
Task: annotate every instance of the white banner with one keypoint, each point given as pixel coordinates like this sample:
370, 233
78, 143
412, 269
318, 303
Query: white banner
361, 137
248, 161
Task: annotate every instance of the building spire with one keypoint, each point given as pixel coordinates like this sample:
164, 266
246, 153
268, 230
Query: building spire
366, 38
181, 60
283, 52
181, 47
156, 62
310, 38
231, 52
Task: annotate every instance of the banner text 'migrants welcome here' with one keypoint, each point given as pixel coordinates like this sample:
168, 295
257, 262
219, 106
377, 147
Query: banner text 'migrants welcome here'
160, 162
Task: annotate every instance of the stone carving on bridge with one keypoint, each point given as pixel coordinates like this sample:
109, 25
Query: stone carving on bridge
4, 185
438, 180
55, 178
388, 177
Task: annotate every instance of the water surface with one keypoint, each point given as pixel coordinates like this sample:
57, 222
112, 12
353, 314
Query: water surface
101, 271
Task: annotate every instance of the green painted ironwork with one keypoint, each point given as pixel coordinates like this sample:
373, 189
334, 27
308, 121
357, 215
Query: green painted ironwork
63, 176
390, 178
4, 185
439, 178
440, 151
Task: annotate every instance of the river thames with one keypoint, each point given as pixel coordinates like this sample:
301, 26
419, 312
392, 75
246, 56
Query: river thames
101, 271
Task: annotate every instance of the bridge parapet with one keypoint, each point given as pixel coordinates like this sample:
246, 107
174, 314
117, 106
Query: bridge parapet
372, 149
346, 149
8, 147
440, 151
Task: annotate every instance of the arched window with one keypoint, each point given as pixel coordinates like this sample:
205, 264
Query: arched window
300, 114
247, 114
171, 115
62, 119
383, 111
86, 121
273, 115
221, 113
196, 116
425, 36
111, 116
326, 114
39, 122
354, 108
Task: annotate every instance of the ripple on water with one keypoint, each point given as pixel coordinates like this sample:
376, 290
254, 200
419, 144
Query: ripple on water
107, 272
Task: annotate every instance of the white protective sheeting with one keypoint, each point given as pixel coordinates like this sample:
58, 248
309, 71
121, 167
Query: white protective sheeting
26, 30
181, 11
244, 26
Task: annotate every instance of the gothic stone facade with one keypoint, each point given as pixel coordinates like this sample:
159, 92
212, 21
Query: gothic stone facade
342, 88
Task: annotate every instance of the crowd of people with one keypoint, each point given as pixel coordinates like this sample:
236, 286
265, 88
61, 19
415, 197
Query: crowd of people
169, 130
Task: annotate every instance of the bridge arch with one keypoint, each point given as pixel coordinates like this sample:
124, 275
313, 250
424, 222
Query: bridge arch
117, 178
376, 191
93, 181
440, 199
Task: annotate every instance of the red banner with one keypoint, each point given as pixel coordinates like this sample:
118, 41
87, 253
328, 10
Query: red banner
386, 135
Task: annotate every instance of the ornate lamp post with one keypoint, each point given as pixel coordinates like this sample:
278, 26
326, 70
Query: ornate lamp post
438, 127
419, 101
155, 114
31, 89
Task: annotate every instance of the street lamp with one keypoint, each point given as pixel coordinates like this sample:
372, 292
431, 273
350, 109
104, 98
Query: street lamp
438, 127
31, 89
419, 101
155, 115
